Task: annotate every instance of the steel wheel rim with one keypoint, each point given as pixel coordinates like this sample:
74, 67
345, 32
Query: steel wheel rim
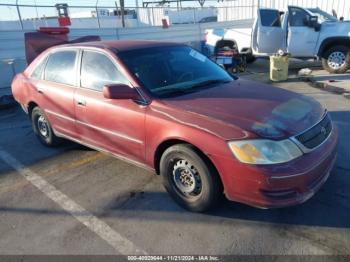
336, 60
43, 126
186, 178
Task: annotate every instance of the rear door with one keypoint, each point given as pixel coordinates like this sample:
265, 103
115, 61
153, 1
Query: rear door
301, 39
268, 35
56, 90
115, 125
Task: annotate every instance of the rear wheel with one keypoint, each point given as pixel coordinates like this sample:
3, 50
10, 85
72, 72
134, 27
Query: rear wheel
42, 128
192, 182
336, 60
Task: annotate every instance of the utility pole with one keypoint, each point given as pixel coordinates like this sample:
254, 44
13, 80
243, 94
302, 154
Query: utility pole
201, 2
122, 8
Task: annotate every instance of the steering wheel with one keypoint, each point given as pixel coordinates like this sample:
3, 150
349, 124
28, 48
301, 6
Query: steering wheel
183, 76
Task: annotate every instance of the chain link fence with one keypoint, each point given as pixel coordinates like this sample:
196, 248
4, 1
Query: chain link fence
28, 17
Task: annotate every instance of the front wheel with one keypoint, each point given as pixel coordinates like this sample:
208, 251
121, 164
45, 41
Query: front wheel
42, 128
189, 179
336, 60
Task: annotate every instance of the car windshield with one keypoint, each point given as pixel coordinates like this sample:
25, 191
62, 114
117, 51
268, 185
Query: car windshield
173, 70
322, 15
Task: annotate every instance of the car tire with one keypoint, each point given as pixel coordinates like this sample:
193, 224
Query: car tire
189, 178
42, 128
336, 60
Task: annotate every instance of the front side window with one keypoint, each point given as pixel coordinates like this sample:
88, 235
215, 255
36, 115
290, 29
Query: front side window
322, 15
60, 67
298, 17
98, 70
173, 70
270, 18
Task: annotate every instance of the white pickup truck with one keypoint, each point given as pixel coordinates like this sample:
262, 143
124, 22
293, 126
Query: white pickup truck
302, 32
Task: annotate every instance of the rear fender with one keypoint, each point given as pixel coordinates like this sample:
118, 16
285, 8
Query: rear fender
17, 88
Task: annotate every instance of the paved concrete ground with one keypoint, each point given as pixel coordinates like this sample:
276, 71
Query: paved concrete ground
318, 77
336, 83
135, 207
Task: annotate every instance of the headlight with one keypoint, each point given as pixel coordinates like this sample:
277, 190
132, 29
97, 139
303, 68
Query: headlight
263, 152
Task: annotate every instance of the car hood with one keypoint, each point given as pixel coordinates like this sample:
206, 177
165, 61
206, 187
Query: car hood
335, 29
244, 109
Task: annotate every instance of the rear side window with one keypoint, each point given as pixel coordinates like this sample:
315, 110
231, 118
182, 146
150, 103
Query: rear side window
98, 70
38, 71
60, 67
270, 18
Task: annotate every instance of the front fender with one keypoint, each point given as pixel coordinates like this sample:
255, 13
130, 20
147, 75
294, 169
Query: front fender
334, 40
161, 127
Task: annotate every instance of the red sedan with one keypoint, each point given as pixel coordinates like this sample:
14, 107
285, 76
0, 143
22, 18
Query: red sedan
167, 107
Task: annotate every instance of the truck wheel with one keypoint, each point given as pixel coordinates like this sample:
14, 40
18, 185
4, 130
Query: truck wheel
336, 60
190, 181
42, 128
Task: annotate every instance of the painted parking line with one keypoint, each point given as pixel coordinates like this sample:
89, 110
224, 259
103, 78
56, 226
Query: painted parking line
112, 237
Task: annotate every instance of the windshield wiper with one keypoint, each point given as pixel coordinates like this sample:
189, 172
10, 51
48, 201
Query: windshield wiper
181, 91
175, 92
208, 82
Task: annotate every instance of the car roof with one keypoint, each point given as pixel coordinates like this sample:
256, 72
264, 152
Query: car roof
124, 45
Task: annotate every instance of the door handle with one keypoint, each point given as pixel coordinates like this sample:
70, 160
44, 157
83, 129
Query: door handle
40, 90
81, 102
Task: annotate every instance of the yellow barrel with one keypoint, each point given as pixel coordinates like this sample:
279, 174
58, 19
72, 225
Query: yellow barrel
278, 68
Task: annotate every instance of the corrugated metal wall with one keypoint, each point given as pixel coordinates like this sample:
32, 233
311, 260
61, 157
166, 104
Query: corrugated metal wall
342, 7
150, 16
244, 9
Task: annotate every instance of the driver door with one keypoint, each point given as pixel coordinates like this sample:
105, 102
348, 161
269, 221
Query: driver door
301, 39
267, 34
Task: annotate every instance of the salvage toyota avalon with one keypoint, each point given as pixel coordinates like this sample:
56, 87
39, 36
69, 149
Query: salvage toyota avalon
167, 107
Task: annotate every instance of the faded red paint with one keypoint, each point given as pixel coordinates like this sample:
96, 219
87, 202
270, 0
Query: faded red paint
207, 119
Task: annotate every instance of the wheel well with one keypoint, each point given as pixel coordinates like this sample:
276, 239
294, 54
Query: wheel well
222, 43
332, 42
168, 143
31, 106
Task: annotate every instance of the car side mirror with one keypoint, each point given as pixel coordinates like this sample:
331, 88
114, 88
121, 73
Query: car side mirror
312, 21
120, 91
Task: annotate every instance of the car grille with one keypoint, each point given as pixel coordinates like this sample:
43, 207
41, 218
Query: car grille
315, 136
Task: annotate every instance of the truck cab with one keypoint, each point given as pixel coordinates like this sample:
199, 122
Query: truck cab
302, 32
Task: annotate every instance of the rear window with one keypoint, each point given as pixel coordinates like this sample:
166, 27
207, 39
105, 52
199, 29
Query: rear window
60, 67
270, 18
38, 71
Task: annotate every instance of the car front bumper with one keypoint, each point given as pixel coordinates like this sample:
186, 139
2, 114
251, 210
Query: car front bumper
281, 185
